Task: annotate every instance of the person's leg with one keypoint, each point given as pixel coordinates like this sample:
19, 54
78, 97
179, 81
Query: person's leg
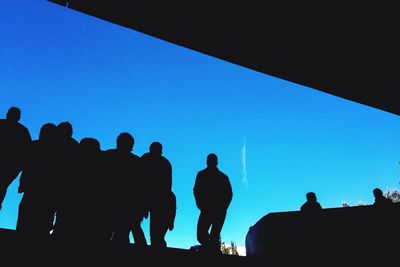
138, 234
203, 225
155, 228
163, 231
218, 222
22, 215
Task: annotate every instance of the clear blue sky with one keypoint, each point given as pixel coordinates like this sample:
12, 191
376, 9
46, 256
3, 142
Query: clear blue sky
57, 64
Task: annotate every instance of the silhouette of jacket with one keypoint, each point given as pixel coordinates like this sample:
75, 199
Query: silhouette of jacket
14, 139
67, 172
311, 206
37, 206
213, 195
126, 189
212, 189
84, 217
157, 171
171, 211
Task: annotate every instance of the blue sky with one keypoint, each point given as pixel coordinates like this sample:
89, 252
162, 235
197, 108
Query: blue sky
57, 64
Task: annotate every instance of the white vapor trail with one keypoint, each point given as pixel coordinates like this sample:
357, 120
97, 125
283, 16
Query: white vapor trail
244, 178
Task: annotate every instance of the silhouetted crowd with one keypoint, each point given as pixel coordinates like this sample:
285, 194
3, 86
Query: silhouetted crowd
76, 191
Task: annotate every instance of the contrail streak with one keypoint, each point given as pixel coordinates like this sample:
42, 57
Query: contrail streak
244, 178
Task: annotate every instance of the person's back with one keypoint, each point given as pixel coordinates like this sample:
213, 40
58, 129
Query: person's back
14, 136
36, 209
212, 189
66, 171
157, 171
213, 195
123, 168
380, 200
311, 205
87, 224
14, 139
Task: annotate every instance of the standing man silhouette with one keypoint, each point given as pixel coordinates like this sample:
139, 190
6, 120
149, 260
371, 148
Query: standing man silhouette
213, 195
37, 207
162, 202
14, 139
127, 207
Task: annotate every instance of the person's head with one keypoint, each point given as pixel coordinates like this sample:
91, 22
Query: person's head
65, 129
48, 132
125, 142
90, 144
377, 193
311, 196
212, 160
13, 114
156, 148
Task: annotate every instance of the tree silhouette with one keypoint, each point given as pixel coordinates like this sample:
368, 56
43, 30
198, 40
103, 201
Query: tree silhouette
229, 250
394, 195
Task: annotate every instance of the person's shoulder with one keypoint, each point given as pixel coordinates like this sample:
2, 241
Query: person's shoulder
145, 155
22, 126
317, 206
109, 151
203, 171
165, 160
223, 174
303, 206
134, 156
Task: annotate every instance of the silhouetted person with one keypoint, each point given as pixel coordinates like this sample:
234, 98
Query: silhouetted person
14, 139
128, 206
311, 205
84, 221
66, 166
380, 200
213, 195
158, 173
37, 206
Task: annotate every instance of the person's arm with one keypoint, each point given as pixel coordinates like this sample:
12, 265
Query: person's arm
169, 177
197, 191
173, 211
229, 191
24, 166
